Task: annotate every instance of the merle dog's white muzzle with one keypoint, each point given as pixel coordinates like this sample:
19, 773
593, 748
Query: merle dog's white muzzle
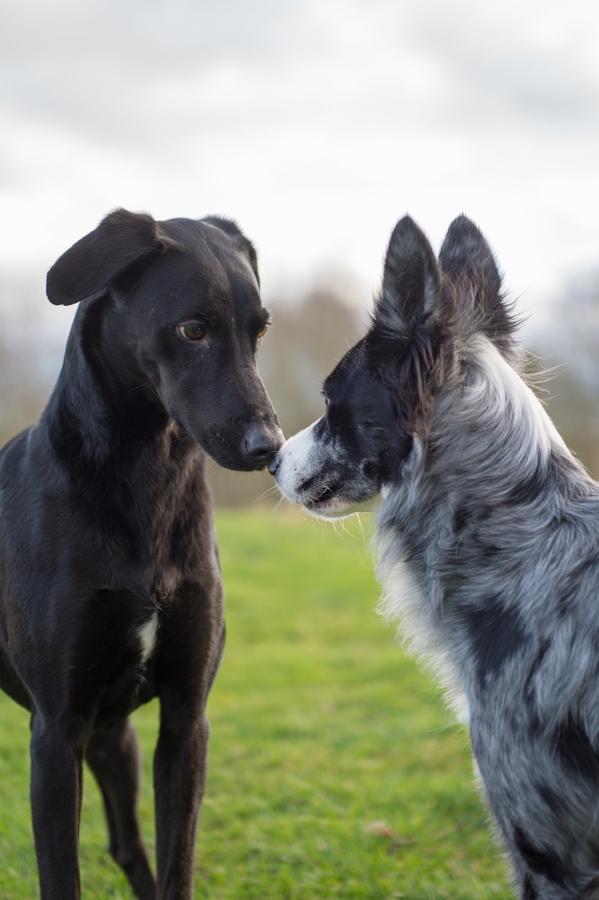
305, 475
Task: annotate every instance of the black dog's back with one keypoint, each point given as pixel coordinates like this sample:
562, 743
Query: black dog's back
10, 457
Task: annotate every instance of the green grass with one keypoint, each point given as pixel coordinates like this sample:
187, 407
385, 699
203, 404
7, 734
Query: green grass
335, 770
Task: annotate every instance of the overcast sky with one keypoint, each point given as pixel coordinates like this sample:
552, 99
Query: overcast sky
315, 124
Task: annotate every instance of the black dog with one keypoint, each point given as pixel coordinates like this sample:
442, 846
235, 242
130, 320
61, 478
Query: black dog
110, 589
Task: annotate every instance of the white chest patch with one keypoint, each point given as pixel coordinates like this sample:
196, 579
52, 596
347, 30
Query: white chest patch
404, 601
146, 636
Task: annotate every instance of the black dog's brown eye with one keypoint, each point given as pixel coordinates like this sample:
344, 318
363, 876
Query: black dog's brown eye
262, 332
191, 331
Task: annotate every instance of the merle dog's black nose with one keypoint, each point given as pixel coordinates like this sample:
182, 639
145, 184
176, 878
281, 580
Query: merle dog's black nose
261, 444
273, 466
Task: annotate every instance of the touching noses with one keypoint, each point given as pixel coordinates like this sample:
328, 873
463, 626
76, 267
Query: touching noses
262, 443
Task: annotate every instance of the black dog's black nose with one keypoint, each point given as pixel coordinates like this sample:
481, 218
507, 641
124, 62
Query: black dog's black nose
261, 444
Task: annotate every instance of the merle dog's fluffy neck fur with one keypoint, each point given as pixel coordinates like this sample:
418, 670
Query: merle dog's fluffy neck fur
487, 551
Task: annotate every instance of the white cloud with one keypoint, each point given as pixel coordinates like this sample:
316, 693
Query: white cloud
315, 124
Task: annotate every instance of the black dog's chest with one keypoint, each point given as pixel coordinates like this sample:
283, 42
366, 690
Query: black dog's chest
113, 654
131, 688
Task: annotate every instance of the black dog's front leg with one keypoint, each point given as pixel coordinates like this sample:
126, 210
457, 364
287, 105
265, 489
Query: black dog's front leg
56, 763
179, 776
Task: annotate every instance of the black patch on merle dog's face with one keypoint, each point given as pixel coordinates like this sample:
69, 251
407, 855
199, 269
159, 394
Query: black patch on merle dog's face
357, 445
359, 421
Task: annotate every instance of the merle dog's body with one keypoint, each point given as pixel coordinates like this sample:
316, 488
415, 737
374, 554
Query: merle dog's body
488, 540
110, 589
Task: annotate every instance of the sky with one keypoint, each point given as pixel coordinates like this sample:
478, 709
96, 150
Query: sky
315, 124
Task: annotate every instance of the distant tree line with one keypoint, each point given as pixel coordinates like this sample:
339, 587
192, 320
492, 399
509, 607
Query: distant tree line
571, 346
306, 339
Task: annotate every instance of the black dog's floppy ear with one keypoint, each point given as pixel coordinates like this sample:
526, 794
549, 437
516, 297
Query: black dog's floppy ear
468, 261
411, 279
121, 240
242, 244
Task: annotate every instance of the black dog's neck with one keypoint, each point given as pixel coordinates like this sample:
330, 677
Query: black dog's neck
138, 478
103, 410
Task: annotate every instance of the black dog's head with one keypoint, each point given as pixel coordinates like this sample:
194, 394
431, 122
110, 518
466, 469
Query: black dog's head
181, 314
380, 397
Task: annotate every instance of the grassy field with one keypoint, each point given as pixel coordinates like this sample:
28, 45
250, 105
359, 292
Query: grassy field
335, 770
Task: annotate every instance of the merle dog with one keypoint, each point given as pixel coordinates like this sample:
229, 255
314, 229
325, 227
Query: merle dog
110, 591
488, 539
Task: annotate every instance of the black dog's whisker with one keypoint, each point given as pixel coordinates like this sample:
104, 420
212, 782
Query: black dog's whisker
267, 493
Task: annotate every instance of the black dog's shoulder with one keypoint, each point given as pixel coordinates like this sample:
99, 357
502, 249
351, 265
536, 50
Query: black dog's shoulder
12, 451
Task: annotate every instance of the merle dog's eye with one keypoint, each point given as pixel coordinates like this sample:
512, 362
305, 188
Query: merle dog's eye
191, 331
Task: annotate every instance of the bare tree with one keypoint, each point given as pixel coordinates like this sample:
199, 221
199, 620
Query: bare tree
572, 346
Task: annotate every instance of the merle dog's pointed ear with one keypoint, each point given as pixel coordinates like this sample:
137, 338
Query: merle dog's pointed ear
242, 244
122, 241
411, 279
466, 252
467, 259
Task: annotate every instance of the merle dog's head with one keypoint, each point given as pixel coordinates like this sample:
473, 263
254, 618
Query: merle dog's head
179, 314
381, 396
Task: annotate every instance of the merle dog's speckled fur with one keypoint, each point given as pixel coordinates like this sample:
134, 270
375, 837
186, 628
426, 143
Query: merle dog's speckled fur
487, 541
110, 590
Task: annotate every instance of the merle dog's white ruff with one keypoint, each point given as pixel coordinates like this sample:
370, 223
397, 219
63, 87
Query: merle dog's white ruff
487, 543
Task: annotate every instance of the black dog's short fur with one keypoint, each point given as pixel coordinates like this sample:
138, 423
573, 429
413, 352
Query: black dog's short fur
110, 588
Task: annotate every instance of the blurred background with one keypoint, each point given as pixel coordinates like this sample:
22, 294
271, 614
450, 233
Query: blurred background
316, 125
335, 770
